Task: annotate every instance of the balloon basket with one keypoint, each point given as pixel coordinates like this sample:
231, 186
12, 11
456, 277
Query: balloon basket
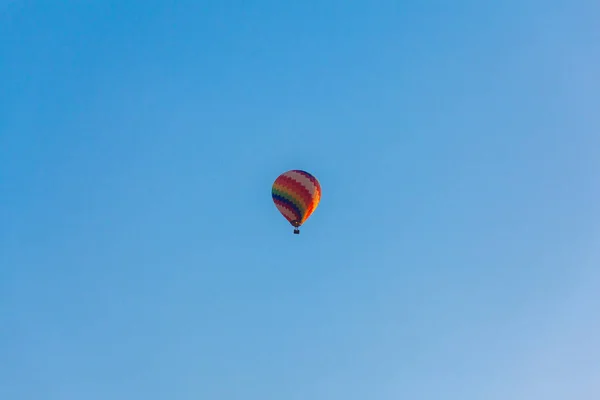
296, 231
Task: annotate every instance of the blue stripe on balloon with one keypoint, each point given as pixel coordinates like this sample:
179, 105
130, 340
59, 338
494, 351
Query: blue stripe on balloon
288, 203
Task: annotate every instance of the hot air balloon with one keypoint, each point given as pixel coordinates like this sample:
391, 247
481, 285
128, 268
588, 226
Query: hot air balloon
296, 195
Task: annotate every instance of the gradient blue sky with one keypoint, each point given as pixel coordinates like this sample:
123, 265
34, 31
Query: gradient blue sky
455, 251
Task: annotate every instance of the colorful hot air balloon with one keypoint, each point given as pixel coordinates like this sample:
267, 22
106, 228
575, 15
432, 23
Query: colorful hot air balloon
296, 194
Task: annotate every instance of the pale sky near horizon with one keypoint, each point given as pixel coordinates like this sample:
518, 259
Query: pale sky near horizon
454, 254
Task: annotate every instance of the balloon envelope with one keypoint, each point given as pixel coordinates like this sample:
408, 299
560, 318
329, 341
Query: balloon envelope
296, 195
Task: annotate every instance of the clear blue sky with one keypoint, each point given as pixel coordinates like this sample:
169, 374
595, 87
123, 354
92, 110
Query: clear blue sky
454, 253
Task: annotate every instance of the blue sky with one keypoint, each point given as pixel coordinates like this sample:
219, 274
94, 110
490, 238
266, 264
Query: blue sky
454, 253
